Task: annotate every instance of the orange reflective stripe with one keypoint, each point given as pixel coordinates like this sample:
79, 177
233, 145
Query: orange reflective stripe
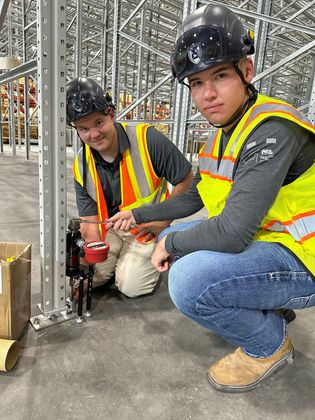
223, 178
273, 222
308, 213
102, 208
289, 222
231, 158
292, 227
128, 195
309, 236
216, 176
209, 156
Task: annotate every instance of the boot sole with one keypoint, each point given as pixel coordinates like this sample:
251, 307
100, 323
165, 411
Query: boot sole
281, 364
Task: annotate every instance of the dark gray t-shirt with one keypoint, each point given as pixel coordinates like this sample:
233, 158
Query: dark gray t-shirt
275, 154
167, 161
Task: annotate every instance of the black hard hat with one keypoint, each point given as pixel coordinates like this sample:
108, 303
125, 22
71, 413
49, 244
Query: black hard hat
209, 36
85, 96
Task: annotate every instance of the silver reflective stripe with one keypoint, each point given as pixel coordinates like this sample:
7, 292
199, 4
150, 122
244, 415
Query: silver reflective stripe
137, 164
226, 169
209, 145
277, 227
305, 225
89, 184
298, 229
208, 164
211, 165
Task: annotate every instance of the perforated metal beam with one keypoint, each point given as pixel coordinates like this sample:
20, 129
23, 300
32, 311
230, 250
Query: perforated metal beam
51, 44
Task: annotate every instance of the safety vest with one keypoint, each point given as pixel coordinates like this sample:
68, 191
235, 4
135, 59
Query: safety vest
139, 184
291, 219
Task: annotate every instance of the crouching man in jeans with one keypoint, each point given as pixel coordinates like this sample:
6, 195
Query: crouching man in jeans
256, 252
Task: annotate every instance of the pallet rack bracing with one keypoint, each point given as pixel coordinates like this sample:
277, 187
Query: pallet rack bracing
125, 45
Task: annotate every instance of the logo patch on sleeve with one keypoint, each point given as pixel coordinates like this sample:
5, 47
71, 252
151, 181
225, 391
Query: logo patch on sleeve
266, 152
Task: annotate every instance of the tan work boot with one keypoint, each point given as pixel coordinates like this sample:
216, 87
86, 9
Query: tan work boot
238, 372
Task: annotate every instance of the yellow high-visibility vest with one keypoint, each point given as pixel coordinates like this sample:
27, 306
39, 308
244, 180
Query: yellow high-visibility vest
291, 219
139, 183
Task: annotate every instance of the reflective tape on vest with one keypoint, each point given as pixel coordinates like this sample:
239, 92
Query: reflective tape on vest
302, 227
139, 183
208, 156
210, 167
272, 107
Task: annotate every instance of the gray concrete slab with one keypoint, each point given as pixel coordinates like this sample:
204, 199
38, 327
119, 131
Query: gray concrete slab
134, 358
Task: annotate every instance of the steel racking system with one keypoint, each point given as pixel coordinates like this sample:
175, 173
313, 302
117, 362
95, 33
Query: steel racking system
125, 45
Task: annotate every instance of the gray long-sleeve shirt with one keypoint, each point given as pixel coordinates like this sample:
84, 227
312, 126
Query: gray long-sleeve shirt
275, 154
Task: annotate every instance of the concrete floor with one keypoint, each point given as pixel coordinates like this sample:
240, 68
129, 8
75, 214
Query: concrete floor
134, 359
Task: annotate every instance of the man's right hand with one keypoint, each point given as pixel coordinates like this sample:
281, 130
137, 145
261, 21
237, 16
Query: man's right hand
122, 220
161, 259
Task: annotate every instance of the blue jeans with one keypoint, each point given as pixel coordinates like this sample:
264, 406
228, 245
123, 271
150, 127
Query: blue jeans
234, 295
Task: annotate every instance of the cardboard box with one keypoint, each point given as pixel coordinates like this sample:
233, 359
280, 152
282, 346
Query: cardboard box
15, 288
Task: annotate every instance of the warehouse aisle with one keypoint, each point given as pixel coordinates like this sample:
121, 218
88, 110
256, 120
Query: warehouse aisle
135, 358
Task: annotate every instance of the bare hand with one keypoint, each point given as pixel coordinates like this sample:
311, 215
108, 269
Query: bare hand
161, 259
122, 220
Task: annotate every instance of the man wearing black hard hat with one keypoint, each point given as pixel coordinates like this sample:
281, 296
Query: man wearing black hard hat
120, 166
256, 252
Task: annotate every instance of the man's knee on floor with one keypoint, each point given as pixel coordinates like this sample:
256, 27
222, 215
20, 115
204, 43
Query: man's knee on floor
132, 288
133, 291
102, 276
